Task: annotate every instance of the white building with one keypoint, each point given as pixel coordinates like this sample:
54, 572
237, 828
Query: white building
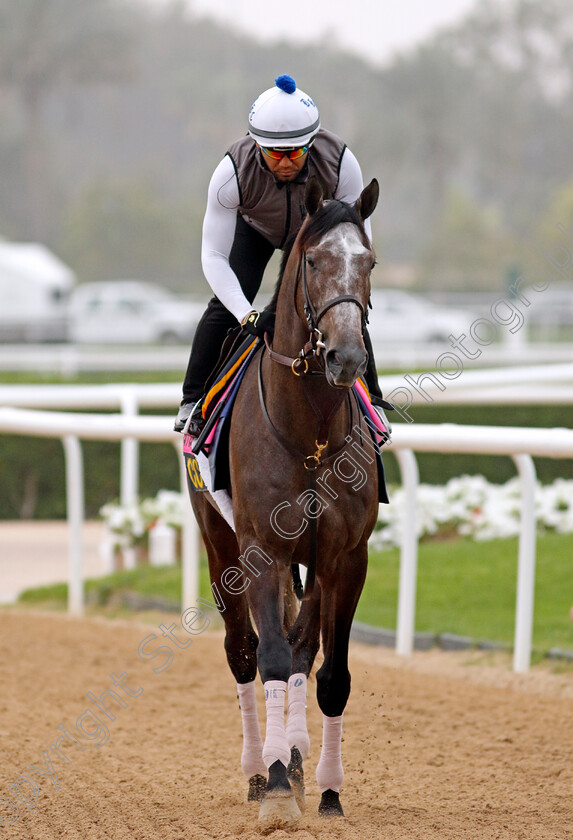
34, 289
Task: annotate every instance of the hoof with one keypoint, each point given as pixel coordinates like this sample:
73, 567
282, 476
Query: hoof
295, 775
257, 785
330, 804
278, 808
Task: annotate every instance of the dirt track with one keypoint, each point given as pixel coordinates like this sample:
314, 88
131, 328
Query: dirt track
433, 748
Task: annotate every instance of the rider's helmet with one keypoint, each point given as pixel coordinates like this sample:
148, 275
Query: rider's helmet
284, 116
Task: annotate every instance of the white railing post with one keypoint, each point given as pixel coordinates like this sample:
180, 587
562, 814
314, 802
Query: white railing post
129, 469
129, 479
75, 511
525, 565
189, 542
408, 553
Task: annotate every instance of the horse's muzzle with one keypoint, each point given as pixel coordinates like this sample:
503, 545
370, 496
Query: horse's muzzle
344, 364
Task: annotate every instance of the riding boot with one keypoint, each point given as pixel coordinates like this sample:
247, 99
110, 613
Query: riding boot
189, 418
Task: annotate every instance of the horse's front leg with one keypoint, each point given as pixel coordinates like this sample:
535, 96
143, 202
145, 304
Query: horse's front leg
274, 657
340, 594
304, 637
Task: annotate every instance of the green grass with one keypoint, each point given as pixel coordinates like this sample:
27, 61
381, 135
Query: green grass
464, 587
163, 583
468, 588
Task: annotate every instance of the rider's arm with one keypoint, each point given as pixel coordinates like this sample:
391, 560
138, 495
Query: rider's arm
218, 235
350, 183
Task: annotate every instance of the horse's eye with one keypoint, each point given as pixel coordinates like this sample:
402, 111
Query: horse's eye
373, 265
310, 262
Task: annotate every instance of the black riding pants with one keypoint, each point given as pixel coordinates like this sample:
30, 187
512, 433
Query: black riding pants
249, 257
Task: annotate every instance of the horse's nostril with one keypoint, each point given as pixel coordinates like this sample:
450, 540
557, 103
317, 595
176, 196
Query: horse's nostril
333, 361
345, 363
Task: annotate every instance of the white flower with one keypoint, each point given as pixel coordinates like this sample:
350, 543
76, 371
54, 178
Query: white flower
131, 523
475, 508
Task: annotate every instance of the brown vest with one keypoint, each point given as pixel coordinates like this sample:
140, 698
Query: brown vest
274, 208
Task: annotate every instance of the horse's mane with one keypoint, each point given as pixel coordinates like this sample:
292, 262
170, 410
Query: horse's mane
331, 213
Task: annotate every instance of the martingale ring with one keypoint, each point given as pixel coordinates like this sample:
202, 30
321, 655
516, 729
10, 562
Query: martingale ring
296, 362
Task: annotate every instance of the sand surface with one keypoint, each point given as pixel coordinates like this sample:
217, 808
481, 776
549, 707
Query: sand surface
434, 747
36, 554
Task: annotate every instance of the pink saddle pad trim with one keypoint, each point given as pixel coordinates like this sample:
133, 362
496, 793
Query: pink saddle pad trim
371, 413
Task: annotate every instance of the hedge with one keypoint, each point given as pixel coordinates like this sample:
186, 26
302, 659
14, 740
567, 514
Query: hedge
32, 471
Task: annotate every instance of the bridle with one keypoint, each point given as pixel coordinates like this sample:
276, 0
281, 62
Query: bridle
300, 366
313, 317
314, 346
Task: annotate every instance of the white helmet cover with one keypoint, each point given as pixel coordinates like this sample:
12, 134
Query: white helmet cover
284, 116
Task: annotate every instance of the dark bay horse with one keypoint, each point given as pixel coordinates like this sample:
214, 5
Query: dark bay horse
304, 488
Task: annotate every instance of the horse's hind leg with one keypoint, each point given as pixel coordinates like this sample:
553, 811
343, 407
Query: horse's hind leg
240, 646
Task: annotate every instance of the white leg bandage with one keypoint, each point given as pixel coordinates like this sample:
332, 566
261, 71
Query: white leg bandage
252, 755
329, 772
296, 728
276, 745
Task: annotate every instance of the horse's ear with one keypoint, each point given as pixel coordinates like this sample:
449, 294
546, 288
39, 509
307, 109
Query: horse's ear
366, 203
313, 195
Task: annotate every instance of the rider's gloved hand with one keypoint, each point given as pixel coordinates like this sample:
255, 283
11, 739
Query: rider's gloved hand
258, 323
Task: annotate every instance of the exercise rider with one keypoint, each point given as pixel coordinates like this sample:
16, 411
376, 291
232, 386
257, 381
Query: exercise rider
255, 202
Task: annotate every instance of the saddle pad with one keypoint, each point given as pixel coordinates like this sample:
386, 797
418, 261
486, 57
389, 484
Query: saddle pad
225, 387
375, 432
382, 433
225, 376
199, 480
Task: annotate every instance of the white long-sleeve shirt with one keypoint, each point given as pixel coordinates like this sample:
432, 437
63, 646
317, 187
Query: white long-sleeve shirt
221, 218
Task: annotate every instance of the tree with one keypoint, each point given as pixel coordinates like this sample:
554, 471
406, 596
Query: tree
122, 229
43, 44
554, 235
469, 249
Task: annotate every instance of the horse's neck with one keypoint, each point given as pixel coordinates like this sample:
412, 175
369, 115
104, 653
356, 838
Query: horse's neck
290, 409
290, 333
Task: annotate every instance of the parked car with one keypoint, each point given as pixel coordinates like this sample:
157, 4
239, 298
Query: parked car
405, 317
130, 311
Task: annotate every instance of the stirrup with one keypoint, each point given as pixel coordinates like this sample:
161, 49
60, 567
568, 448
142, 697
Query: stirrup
185, 416
195, 421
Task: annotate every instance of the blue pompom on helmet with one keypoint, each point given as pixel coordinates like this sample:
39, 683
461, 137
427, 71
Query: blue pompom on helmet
284, 116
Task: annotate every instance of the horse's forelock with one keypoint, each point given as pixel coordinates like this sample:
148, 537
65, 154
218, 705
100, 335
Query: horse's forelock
331, 214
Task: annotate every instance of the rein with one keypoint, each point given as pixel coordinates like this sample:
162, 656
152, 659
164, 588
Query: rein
311, 462
300, 367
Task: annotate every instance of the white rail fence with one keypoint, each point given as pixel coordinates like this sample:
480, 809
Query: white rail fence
519, 443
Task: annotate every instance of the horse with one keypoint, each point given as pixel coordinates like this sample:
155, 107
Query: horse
304, 491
